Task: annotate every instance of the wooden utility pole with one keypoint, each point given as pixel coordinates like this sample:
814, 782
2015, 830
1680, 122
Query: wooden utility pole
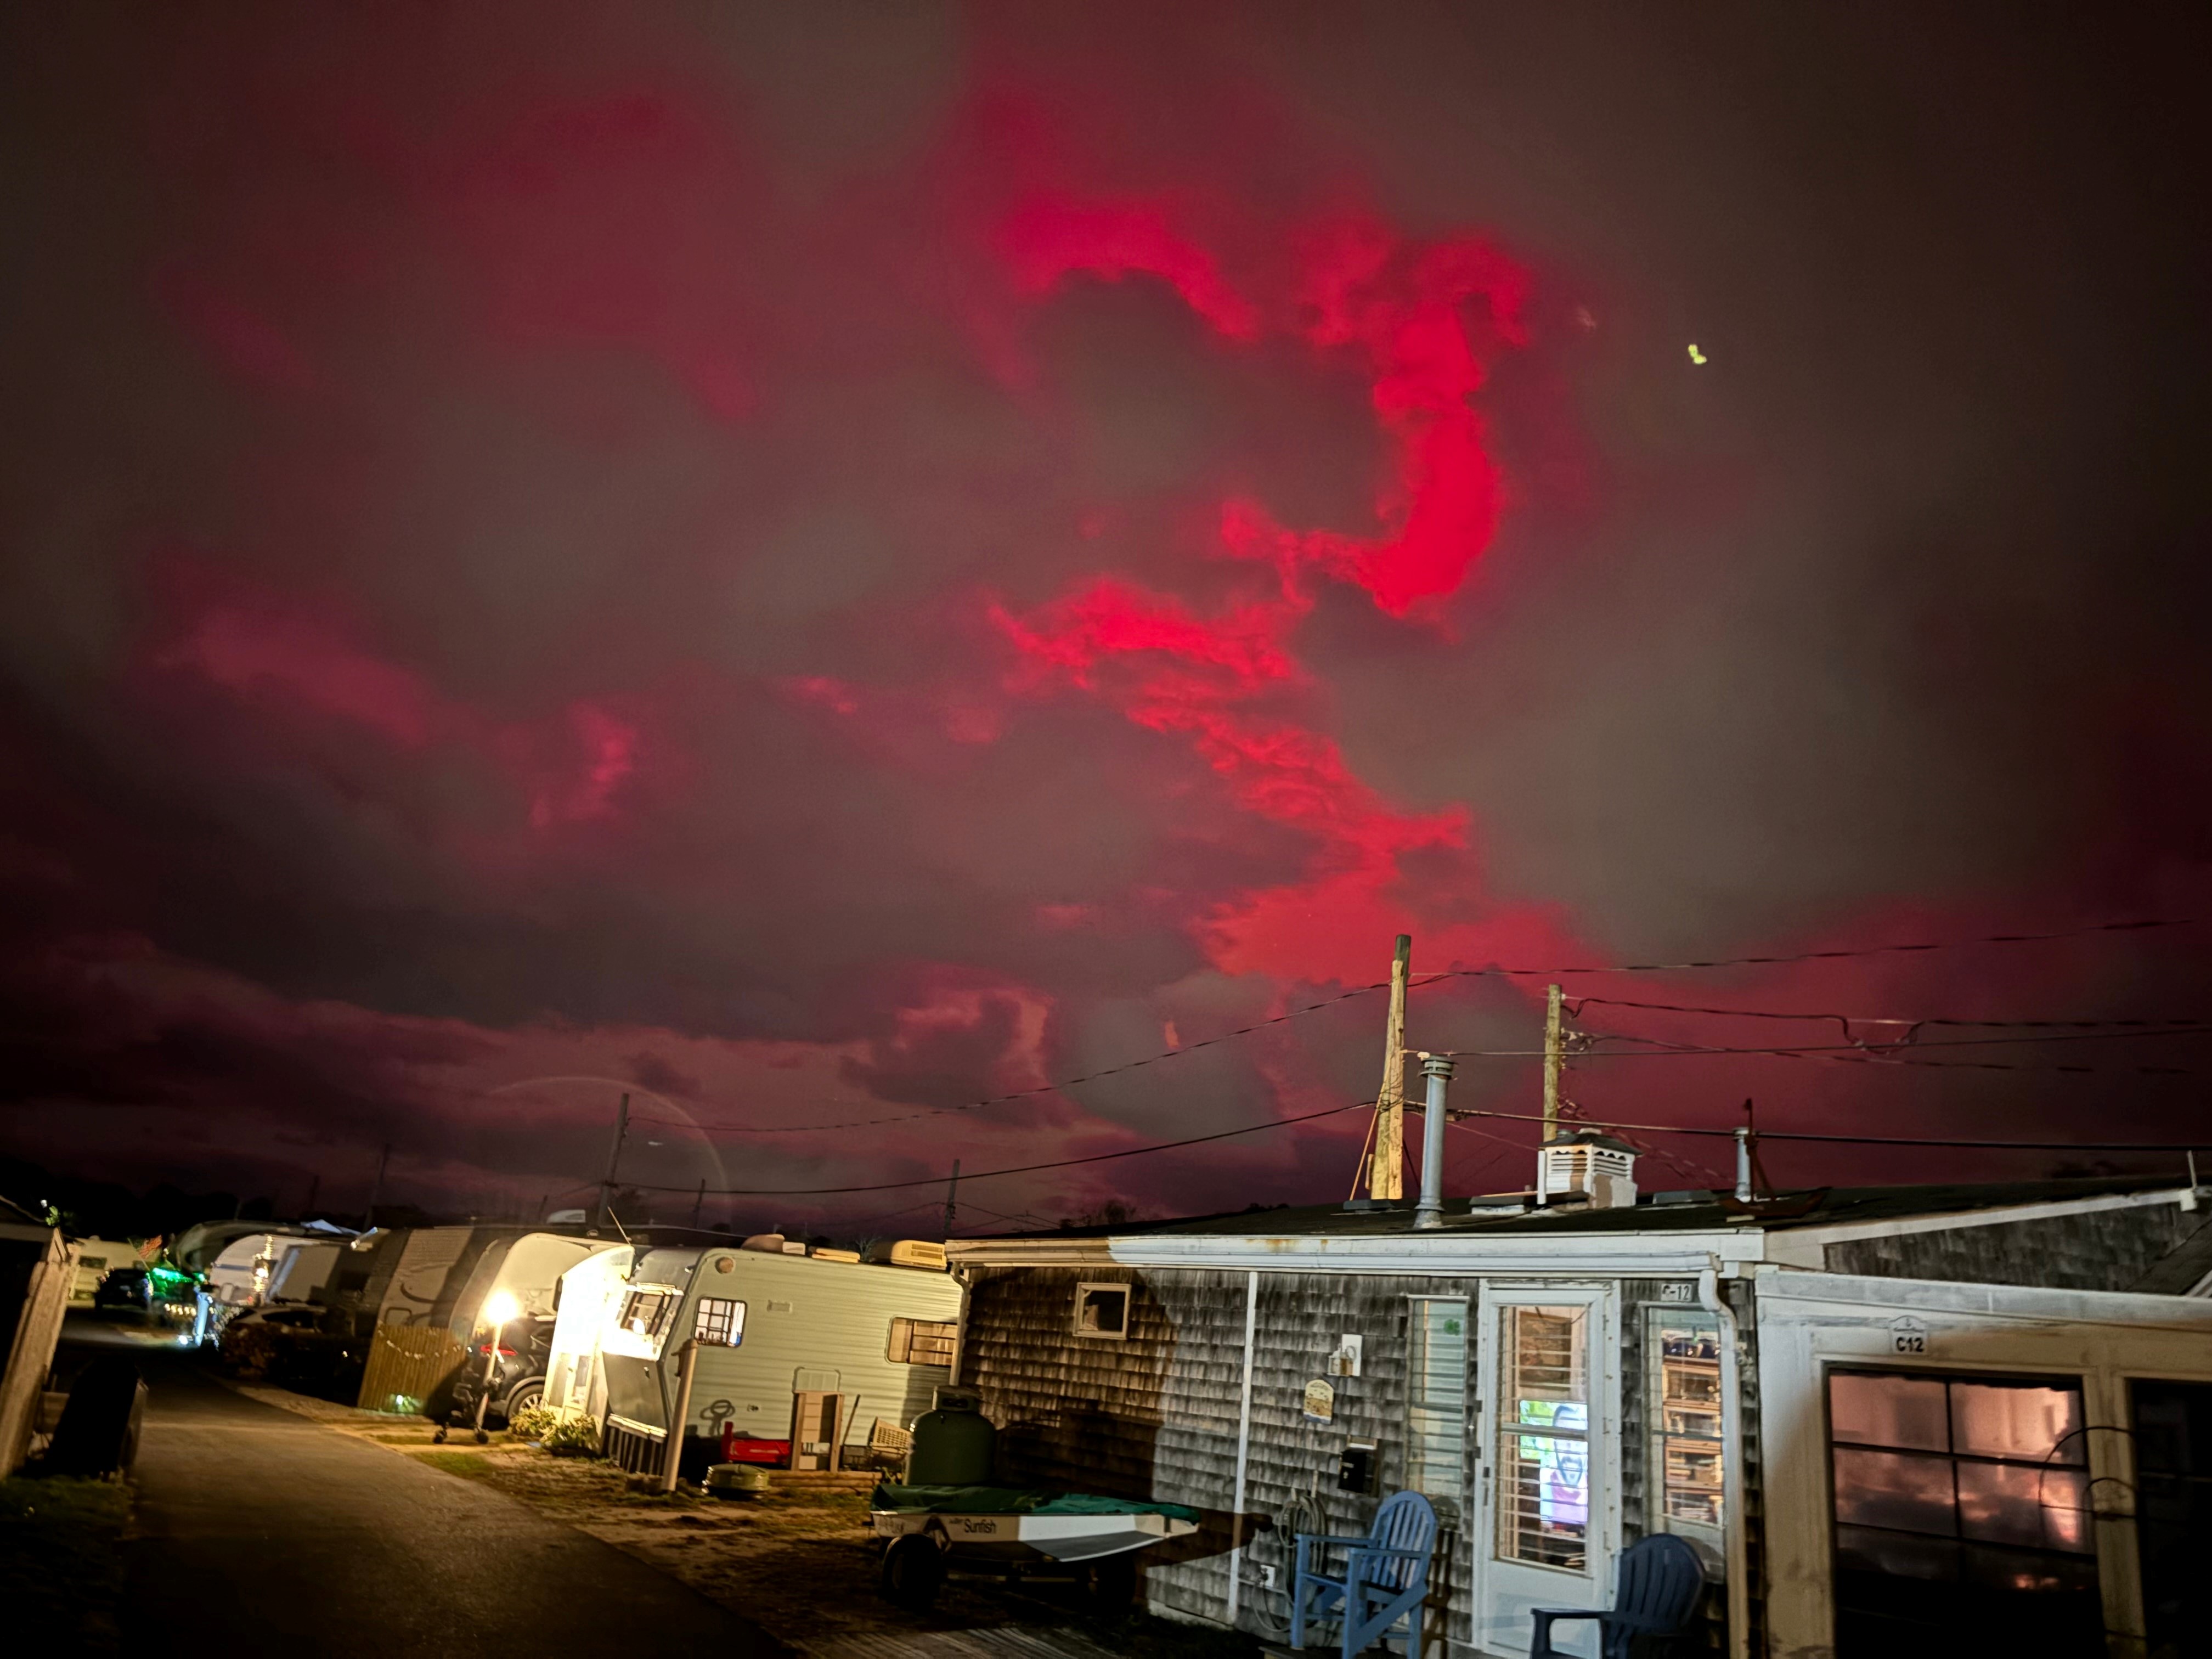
614, 1157
698, 1203
1386, 1167
1554, 1055
951, 1192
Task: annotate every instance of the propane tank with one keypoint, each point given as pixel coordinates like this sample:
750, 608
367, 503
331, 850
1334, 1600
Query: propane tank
954, 1444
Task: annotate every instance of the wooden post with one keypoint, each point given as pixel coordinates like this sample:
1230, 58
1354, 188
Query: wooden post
683, 1369
1386, 1168
951, 1193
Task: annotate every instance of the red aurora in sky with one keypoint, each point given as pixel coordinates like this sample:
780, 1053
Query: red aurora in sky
824, 567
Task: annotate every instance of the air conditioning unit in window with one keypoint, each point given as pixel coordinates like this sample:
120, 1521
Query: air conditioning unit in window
1586, 1165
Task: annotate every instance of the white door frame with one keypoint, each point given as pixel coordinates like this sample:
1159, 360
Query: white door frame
1504, 1591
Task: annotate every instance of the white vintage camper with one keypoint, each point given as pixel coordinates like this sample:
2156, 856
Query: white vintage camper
797, 1354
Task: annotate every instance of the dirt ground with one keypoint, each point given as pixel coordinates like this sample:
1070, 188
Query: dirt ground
799, 1561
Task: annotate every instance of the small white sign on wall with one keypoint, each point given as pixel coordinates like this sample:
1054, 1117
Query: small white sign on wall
1907, 1335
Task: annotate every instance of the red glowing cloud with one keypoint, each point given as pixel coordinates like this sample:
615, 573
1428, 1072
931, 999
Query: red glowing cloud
265, 653
1423, 319
288, 660
1048, 240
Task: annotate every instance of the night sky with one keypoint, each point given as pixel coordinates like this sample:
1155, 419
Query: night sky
823, 563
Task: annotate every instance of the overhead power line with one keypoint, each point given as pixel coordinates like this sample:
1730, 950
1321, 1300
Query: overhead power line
1900, 1053
1870, 1140
1878, 1049
1849, 1020
2147, 925
1026, 1168
1822, 956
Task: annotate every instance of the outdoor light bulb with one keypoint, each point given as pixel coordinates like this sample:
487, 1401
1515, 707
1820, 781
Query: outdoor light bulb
500, 1307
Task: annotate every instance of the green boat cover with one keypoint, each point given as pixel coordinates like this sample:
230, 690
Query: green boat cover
1014, 1500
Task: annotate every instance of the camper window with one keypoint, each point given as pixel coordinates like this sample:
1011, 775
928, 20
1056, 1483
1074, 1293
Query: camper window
1102, 1310
721, 1322
923, 1341
644, 1313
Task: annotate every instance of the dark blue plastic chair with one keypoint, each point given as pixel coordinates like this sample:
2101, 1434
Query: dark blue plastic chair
1386, 1577
1660, 1581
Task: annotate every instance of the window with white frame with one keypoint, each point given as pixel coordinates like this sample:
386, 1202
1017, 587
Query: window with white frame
1102, 1310
1543, 1437
721, 1322
1682, 1375
923, 1341
1436, 1403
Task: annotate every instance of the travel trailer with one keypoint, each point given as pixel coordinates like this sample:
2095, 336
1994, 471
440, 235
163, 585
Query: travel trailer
796, 1353
428, 1288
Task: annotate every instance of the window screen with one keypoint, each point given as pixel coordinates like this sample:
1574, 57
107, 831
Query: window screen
1682, 1363
1436, 1392
1962, 1515
721, 1323
1102, 1310
1543, 1453
923, 1341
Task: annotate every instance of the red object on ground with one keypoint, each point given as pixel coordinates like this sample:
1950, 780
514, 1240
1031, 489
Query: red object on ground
744, 1448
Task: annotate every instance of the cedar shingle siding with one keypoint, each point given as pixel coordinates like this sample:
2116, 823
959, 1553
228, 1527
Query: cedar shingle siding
2098, 1250
1155, 1415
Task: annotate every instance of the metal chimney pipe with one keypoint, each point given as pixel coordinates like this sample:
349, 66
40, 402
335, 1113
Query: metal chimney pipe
1743, 1166
1429, 1212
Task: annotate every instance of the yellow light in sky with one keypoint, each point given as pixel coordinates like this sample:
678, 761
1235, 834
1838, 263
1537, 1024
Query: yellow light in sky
1696, 355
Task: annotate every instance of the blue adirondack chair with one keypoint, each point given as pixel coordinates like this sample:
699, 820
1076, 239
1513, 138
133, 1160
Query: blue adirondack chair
1660, 1581
1385, 1578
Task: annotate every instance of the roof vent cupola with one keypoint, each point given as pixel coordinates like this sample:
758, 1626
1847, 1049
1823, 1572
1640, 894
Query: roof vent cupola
1586, 1165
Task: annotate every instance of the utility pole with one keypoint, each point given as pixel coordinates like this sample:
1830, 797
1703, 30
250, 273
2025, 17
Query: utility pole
1386, 1167
1555, 1060
1554, 1055
951, 1192
614, 1157
698, 1203
376, 1188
